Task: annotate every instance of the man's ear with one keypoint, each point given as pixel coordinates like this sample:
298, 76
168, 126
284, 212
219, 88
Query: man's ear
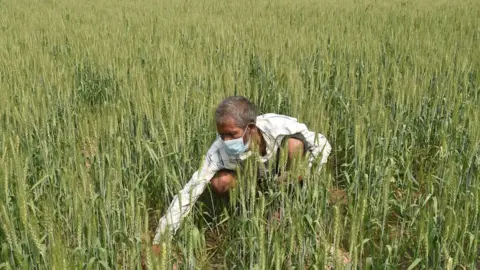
252, 127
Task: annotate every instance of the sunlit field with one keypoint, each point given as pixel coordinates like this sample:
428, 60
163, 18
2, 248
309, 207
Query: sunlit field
107, 108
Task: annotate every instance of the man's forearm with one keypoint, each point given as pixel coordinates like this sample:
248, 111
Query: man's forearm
180, 206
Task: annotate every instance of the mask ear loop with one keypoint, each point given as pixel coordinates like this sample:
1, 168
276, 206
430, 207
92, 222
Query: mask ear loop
245, 131
250, 135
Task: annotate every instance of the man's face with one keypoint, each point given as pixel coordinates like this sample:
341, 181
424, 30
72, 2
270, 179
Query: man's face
228, 130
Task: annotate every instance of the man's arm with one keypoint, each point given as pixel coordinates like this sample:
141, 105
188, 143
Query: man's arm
183, 202
320, 148
317, 144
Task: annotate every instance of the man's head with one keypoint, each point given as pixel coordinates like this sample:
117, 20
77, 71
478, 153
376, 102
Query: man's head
237, 108
235, 118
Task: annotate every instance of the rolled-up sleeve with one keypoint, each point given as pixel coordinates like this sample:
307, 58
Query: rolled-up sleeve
319, 147
317, 144
183, 202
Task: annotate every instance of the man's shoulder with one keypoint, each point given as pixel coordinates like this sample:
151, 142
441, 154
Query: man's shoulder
273, 122
215, 147
216, 155
277, 124
275, 117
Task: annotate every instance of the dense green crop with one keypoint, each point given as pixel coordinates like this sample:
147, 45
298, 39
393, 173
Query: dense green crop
106, 109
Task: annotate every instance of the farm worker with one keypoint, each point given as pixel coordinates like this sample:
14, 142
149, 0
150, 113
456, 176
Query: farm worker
240, 131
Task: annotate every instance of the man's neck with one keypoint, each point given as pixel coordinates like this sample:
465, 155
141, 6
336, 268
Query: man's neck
260, 142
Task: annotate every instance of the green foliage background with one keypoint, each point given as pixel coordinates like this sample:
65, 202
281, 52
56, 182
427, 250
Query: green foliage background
106, 109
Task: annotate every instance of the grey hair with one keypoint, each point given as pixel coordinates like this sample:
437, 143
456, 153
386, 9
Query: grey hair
239, 108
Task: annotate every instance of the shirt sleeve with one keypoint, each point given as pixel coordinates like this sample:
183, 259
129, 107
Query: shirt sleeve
183, 202
317, 144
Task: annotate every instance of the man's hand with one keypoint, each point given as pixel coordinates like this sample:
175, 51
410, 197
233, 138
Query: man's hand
337, 196
283, 178
156, 250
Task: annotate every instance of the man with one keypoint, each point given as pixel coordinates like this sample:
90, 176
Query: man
240, 131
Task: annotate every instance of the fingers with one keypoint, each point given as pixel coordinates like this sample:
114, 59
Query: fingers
337, 196
156, 250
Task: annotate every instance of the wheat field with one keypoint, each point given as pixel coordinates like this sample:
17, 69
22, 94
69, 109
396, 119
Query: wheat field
107, 108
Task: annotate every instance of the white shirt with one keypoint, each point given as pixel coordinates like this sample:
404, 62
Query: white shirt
274, 128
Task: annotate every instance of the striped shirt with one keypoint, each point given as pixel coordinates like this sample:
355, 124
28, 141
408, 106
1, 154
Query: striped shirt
274, 129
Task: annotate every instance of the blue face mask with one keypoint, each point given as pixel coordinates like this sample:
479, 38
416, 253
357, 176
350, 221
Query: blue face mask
236, 146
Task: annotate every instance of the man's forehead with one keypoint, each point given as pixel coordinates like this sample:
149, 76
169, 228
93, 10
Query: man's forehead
227, 125
228, 121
